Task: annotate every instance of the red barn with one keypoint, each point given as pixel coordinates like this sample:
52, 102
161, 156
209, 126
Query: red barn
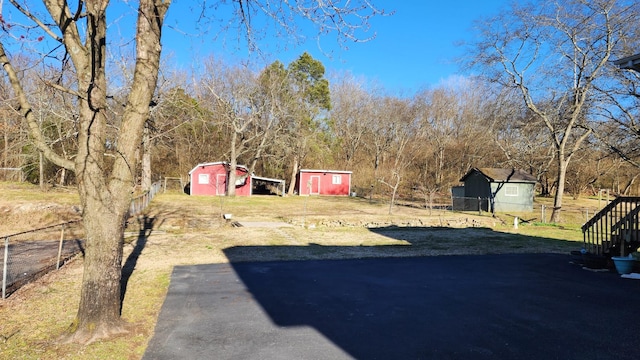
323, 182
211, 179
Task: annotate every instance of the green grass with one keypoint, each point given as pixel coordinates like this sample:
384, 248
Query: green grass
190, 230
21, 192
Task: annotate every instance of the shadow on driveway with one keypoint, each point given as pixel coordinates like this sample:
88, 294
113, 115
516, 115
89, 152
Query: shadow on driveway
447, 307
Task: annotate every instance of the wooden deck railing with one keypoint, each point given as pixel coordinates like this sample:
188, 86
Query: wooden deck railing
614, 230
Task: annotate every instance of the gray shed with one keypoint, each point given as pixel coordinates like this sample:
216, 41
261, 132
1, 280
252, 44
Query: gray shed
500, 190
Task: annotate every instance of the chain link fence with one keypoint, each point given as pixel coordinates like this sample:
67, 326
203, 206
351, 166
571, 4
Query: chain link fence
535, 212
30, 254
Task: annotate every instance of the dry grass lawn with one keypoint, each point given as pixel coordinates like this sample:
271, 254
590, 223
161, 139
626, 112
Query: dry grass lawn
191, 230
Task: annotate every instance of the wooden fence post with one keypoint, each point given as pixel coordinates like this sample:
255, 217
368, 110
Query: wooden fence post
60, 247
4, 268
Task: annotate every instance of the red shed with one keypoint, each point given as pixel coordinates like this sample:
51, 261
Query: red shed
323, 182
211, 179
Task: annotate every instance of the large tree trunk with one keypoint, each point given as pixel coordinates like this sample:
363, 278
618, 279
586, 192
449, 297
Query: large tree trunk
106, 197
294, 173
233, 164
5, 133
394, 193
100, 297
557, 200
41, 170
103, 214
231, 178
146, 159
63, 177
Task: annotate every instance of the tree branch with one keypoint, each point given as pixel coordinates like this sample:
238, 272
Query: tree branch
36, 20
27, 112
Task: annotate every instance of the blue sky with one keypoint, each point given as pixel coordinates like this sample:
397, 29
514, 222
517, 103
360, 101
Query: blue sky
414, 48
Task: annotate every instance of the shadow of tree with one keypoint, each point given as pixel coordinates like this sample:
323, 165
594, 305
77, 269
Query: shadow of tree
389, 302
79, 243
145, 225
411, 241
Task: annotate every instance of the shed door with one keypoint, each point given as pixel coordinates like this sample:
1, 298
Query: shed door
315, 185
221, 180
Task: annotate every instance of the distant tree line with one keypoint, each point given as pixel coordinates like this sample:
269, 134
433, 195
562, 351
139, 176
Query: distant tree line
570, 122
83, 104
283, 118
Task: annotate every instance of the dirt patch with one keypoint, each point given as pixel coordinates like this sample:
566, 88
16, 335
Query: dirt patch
34, 215
191, 230
264, 224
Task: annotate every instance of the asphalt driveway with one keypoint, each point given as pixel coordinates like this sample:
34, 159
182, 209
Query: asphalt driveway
449, 307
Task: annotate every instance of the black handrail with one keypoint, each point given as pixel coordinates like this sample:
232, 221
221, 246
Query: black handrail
614, 230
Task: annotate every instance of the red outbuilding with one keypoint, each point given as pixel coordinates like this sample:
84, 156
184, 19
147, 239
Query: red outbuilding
323, 182
211, 179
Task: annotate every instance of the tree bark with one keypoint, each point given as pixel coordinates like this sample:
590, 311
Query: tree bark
233, 164
5, 135
557, 199
106, 191
231, 178
41, 170
105, 198
294, 173
146, 158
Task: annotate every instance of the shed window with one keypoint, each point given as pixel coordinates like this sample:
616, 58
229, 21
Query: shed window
511, 190
203, 178
337, 179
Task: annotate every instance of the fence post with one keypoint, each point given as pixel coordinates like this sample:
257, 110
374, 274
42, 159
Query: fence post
542, 214
60, 247
479, 206
4, 268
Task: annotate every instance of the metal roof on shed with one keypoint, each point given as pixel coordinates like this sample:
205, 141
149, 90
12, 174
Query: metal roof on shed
217, 163
502, 175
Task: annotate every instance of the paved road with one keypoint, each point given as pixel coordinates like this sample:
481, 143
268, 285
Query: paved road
450, 307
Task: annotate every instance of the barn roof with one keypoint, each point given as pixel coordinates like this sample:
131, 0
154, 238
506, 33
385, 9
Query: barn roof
268, 179
242, 167
326, 171
502, 175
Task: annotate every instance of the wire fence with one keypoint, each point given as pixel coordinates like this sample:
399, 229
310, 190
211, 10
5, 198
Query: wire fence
534, 212
139, 203
31, 254
525, 211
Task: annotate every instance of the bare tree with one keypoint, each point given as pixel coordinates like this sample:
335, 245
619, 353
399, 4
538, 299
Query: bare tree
77, 34
232, 91
398, 117
521, 139
553, 53
621, 107
272, 97
14, 139
350, 115
104, 197
441, 128
182, 130
589, 168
